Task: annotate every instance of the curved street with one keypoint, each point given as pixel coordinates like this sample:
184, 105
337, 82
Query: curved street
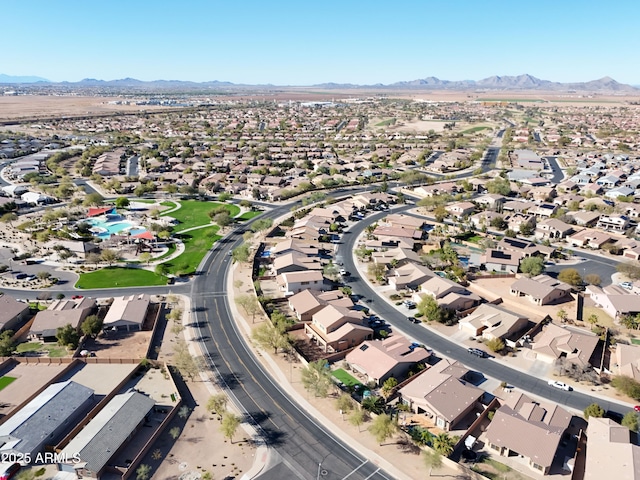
422, 334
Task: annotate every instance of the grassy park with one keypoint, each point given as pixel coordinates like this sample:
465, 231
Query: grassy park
194, 213
6, 381
119, 277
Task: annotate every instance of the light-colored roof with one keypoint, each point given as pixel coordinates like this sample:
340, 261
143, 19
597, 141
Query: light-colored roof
309, 300
496, 320
539, 287
438, 286
306, 276
555, 341
610, 453
330, 315
127, 310
442, 389
296, 245
404, 221
377, 358
296, 259
10, 308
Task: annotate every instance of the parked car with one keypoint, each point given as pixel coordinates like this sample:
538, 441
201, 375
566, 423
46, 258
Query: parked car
637, 408
413, 319
9, 471
409, 304
559, 385
615, 416
477, 352
21, 276
344, 273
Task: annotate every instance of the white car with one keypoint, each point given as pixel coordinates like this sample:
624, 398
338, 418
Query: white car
560, 385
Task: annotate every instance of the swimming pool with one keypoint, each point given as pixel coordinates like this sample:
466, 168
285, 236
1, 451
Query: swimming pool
105, 229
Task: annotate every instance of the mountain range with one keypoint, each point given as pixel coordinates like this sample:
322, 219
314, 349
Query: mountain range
496, 83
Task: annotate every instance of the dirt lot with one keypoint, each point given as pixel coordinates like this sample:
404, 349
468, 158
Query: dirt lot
120, 345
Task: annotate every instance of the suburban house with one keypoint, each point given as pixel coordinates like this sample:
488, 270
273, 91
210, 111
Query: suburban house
556, 342
552, 229
127, 313
491, 201
379, 360
541, 290
395, 256
627, 360
12, 312
449, 294
613, 223
59, 314
491, 321
589, 238
337, 328
524, 247
404, 221
44, 419
442, 394
518, 221
483, 219
294, 282
501, 261
410, 276
294, 245
307, 302
398, 232
533, 430
106, 434
584, 218
460, 209
610, 452
615, 300
295, 262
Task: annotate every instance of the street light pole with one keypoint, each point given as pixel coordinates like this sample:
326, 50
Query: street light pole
319, 467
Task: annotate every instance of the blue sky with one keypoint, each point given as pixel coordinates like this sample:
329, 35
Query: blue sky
307, 41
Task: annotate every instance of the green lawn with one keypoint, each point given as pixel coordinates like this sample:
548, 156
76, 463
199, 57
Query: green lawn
635, 341
169, 204
248, 215
196, 243
475, 129
194, 213
53, 349
345, 378
119, 277
5, 381
386, 123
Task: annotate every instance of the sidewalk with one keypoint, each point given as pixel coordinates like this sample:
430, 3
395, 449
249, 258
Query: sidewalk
405, 465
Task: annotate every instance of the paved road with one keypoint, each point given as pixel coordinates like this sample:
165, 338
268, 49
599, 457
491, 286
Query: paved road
558, 174
421, 334
298, 439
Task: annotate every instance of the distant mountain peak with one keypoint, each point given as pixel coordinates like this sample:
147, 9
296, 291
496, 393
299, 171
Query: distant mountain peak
21, 79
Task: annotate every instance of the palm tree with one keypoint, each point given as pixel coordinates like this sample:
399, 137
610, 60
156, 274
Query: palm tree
443, 444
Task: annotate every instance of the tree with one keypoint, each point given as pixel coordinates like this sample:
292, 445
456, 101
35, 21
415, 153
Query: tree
562, 315
225, 196
430, 310
261, 224
376, 271
122, 202
593, 319
627, 385
498, 223
93, 258
68, 336
145, 257
593, 279
444, 444
357, 418
222, 219
241, 254
630, 420
593, 410
499, 185
217, 403
229, 425
383, 427
174, 433
432, 459
93, 200
387, 387
6, 345
249, 304
109, 256
525, 229
570, 276
91, 326
440, 213
344, 403
161, 269
496, 344
268, 336
143, 471
532, 266
316, 378
630, 269
9, 218
183, 360
632, 322
43, 275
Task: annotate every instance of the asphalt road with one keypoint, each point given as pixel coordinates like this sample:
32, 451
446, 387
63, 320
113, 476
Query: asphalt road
422, 334
305, 446
558, 174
